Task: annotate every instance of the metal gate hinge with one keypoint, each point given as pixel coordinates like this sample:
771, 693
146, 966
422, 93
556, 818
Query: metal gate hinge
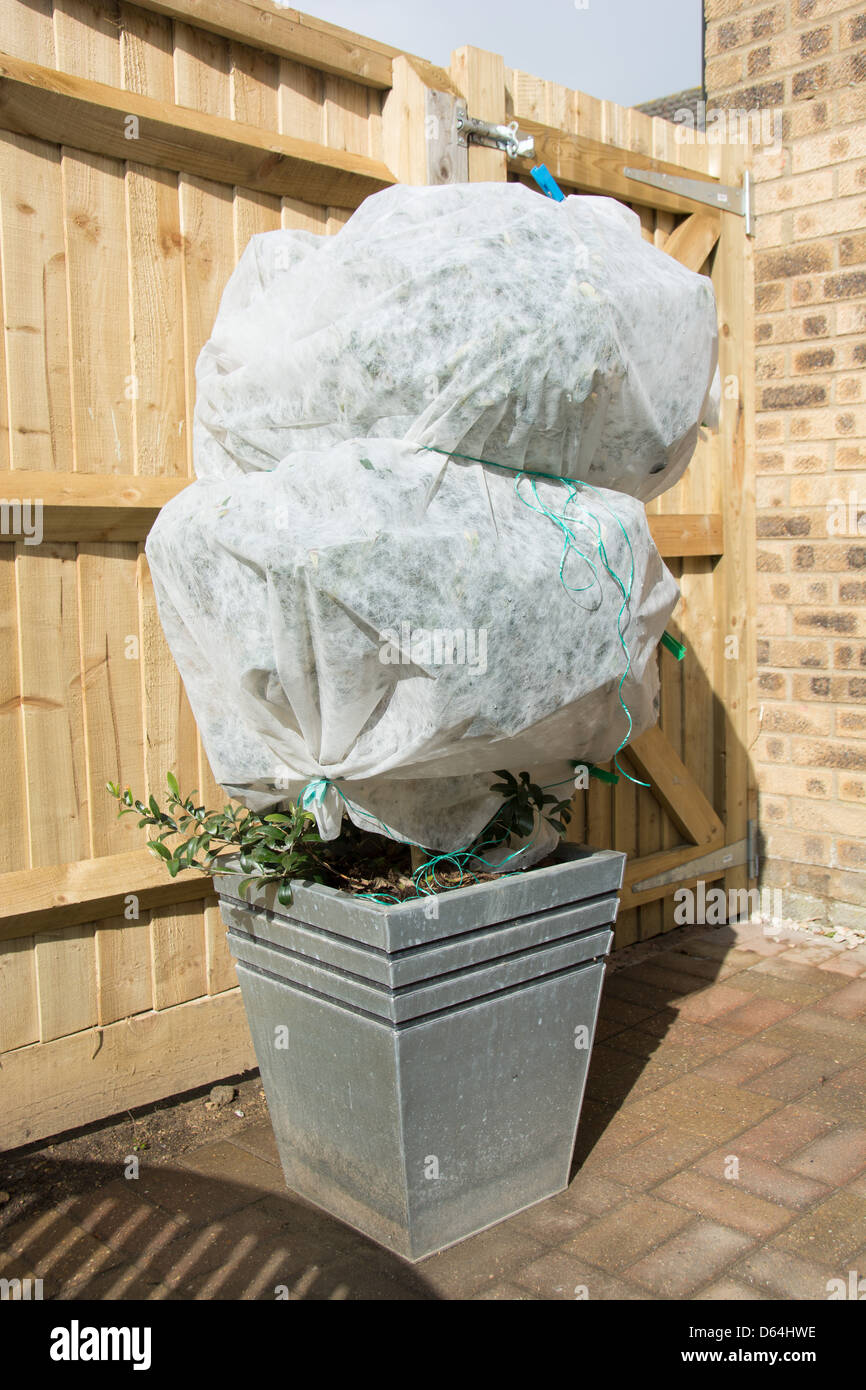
497, 137
715, 195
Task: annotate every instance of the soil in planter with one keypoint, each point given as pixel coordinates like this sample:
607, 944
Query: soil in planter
362, 863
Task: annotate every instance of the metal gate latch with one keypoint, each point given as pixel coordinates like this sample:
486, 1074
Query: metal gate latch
495, 137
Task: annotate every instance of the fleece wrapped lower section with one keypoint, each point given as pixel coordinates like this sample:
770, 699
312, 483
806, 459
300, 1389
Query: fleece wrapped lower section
395, 626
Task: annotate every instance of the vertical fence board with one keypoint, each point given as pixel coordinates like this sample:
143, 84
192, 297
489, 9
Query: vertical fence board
27, 31
123, 968
170, 735
159, 363
346, 108
51, 695
111, 657
254, 83
178, 945
201, 70
98, 286
87, 39
736, 686
19, 1016
301, 102
66, 981
35, 327
146, 52
12, 841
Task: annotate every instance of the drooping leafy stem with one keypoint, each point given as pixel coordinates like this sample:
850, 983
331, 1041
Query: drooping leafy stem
272, 849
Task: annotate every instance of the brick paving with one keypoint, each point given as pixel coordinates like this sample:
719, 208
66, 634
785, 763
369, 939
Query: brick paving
721, 1155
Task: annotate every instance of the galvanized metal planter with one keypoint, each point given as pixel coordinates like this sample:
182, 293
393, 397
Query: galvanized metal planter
425, 1062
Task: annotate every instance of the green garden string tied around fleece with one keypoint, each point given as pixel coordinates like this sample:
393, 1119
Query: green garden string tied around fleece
424, 877
565, 524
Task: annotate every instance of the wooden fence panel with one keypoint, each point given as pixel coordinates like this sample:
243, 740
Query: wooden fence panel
117, 984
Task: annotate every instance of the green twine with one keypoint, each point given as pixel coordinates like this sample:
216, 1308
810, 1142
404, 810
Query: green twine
565, 523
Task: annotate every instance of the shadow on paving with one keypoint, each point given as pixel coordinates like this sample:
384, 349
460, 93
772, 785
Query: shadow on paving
190, 1231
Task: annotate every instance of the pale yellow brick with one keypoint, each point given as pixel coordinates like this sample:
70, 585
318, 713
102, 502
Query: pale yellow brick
772, 230
817, 492
852, 788
785, 53
813, 460
821, 9
770, 164
805, 720
781, 193
772, 620
770, 427
842, 215
847, 389
830, 423
800, 848
852, 105
850, 456
771, 492
851, 318
795, 588
773, 810
834, 818
773, 556
769, 365
803, 329
850, 178
796, 781
849, 354
819, 151
851, 724
725, 70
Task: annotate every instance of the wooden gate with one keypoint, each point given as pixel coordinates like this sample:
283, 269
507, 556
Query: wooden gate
141, 146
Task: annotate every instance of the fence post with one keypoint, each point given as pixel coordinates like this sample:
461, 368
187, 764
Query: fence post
419, 125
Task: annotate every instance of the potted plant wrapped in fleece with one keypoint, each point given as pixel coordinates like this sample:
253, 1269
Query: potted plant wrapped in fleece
417, 551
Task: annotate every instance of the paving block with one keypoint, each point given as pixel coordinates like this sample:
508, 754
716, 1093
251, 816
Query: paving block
783, 1275
833, 1158
690, 1259
726, 1202
741, 1063
764, 1179
562, 1277
830, 1233
795, 1077
616, 1240
779, 1135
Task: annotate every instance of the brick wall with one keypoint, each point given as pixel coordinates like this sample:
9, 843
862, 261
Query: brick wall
808, 58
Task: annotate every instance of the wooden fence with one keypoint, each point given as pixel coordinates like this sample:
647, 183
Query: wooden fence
142, 145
